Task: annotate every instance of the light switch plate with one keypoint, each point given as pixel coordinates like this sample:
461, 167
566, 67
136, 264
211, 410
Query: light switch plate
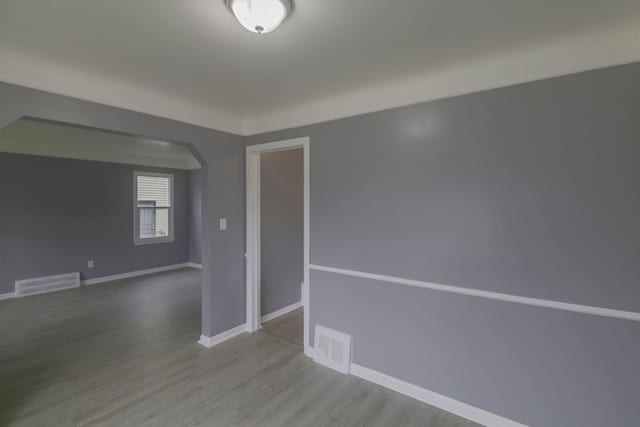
90, 263
223, 224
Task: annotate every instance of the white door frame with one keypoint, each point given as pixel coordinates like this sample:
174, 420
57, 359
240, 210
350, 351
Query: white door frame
253, 231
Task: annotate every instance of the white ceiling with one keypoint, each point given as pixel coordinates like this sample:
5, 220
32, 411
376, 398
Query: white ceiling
190, 60
54, 140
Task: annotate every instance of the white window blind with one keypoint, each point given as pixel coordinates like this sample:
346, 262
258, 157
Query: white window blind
153, 207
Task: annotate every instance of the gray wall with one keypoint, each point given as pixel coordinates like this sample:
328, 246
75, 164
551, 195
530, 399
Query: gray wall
56, 214
222, 157
529, 190
195, 216
281, 228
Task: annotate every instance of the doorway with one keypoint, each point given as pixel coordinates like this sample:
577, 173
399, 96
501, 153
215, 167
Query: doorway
282, 314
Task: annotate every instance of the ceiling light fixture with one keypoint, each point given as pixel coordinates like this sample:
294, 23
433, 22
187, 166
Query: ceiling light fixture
260, 16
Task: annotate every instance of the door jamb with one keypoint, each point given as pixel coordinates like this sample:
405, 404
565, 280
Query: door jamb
253, 315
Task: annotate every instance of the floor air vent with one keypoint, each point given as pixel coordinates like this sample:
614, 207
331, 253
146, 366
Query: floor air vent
41, 285
333, 349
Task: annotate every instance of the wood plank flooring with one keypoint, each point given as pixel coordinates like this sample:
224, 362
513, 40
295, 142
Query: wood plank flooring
125, 354
289, 327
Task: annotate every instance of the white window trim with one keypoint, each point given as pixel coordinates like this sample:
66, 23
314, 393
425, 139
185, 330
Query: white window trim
137, 241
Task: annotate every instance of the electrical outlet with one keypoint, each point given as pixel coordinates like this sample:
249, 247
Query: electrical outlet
90, 263
223, 224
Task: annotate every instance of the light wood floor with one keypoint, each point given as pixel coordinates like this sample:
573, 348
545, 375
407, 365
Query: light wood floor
125, 354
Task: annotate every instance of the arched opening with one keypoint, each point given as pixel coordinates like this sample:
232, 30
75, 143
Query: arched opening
79, 200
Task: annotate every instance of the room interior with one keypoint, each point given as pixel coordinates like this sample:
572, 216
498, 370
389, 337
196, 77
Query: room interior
282, 244
72, 209
432, 203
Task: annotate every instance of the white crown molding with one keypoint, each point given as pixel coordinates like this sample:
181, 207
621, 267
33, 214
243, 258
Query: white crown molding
24, 70
583, 52
579, 53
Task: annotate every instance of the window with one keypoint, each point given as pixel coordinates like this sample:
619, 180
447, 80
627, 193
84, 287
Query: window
153, 208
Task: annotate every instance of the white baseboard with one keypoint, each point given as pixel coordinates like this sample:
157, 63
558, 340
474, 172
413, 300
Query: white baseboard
282, 311
453, 406
8, 295
138, 273
221, 337
309, 351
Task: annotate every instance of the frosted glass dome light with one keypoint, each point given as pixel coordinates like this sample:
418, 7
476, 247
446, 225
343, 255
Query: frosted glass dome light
260, 16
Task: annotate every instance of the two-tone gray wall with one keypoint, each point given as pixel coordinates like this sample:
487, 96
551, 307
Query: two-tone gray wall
529, 190
281, 228
222, 157
56, 214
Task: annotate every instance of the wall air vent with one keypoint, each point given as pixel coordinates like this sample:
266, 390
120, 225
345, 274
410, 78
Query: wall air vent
41, 285
332, 349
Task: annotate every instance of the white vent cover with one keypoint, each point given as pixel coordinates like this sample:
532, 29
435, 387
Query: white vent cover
332, 349
41, 285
